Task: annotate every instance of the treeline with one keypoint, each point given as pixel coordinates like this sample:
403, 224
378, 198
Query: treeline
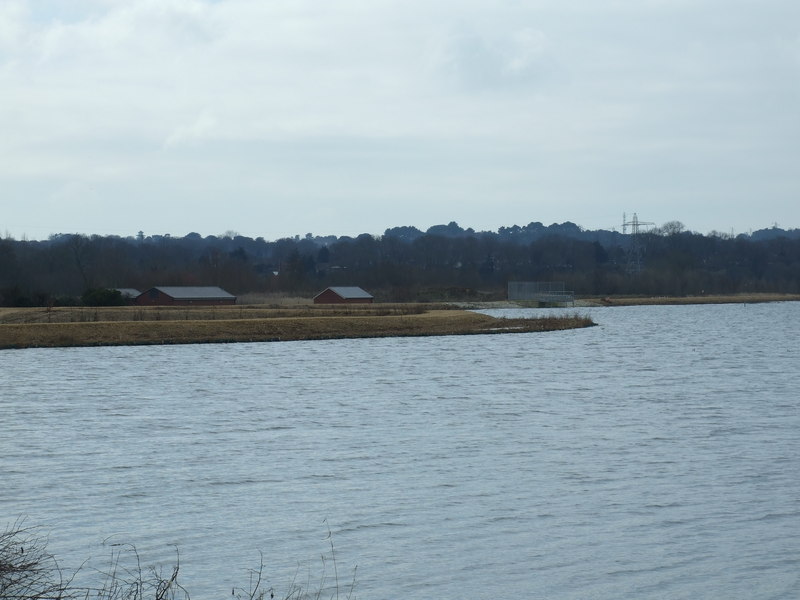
406, 264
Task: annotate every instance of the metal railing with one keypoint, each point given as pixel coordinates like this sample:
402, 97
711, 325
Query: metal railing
548, 292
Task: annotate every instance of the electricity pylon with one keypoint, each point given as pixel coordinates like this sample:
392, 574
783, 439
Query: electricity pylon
636, 247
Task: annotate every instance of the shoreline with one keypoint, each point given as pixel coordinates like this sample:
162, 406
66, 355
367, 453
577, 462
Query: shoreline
275, 329
63, 327
598, 301
686, 300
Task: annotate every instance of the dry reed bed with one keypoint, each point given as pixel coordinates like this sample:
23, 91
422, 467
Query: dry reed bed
85, 314
277, 328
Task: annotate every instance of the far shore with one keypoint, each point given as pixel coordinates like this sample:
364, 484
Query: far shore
593, 301
703, 299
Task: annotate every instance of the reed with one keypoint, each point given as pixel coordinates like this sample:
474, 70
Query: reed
29, 572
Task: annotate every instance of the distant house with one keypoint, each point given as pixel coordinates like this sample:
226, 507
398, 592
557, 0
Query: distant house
343, 295
185, 296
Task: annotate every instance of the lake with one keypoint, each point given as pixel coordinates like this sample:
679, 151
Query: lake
654, 456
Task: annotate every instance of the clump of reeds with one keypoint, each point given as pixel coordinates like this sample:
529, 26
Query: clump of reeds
546, 323
29, 572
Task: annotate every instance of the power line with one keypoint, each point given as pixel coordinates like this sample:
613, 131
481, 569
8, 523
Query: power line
636, 247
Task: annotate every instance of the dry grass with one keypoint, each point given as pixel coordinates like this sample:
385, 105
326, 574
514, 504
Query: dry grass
80, 314
288, 320
25, 328
274, 300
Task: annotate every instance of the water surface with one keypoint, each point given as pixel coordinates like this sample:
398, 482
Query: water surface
654, 456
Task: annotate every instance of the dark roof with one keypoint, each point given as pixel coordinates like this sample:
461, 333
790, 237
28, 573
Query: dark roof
347, 292
195, 292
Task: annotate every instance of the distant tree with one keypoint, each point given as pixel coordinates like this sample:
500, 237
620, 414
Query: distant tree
8, 262
402, 262
452, 229
103, 297
672, 228
79, 245
405, 233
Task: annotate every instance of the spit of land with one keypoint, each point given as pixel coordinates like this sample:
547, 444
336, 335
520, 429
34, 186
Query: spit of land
134, 325
129, 325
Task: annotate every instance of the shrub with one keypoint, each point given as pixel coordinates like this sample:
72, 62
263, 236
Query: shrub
27, 571
103, 297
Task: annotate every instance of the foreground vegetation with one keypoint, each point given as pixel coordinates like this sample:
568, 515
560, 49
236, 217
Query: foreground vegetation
62, 327
29, 572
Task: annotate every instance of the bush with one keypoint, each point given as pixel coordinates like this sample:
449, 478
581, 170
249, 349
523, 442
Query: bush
27, 571
103, 297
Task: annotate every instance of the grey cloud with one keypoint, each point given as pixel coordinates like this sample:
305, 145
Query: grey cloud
506, 112
517, 57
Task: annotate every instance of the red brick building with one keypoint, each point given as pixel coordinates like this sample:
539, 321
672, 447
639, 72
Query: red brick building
184, 296
343, 295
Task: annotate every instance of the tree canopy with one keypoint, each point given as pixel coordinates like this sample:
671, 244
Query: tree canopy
404, 263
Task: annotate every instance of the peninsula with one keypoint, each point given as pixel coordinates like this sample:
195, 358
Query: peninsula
130, 325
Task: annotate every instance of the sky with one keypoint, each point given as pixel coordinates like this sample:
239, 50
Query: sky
285, 117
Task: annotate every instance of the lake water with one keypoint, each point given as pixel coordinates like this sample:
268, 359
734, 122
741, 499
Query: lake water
654, 456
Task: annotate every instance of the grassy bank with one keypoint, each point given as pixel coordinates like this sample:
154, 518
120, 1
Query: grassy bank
133, 325
36, 327
86, 314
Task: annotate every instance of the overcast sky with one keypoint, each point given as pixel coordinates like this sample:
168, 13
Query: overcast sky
281, 117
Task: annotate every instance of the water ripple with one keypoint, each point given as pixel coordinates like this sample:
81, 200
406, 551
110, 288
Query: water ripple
654, 456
